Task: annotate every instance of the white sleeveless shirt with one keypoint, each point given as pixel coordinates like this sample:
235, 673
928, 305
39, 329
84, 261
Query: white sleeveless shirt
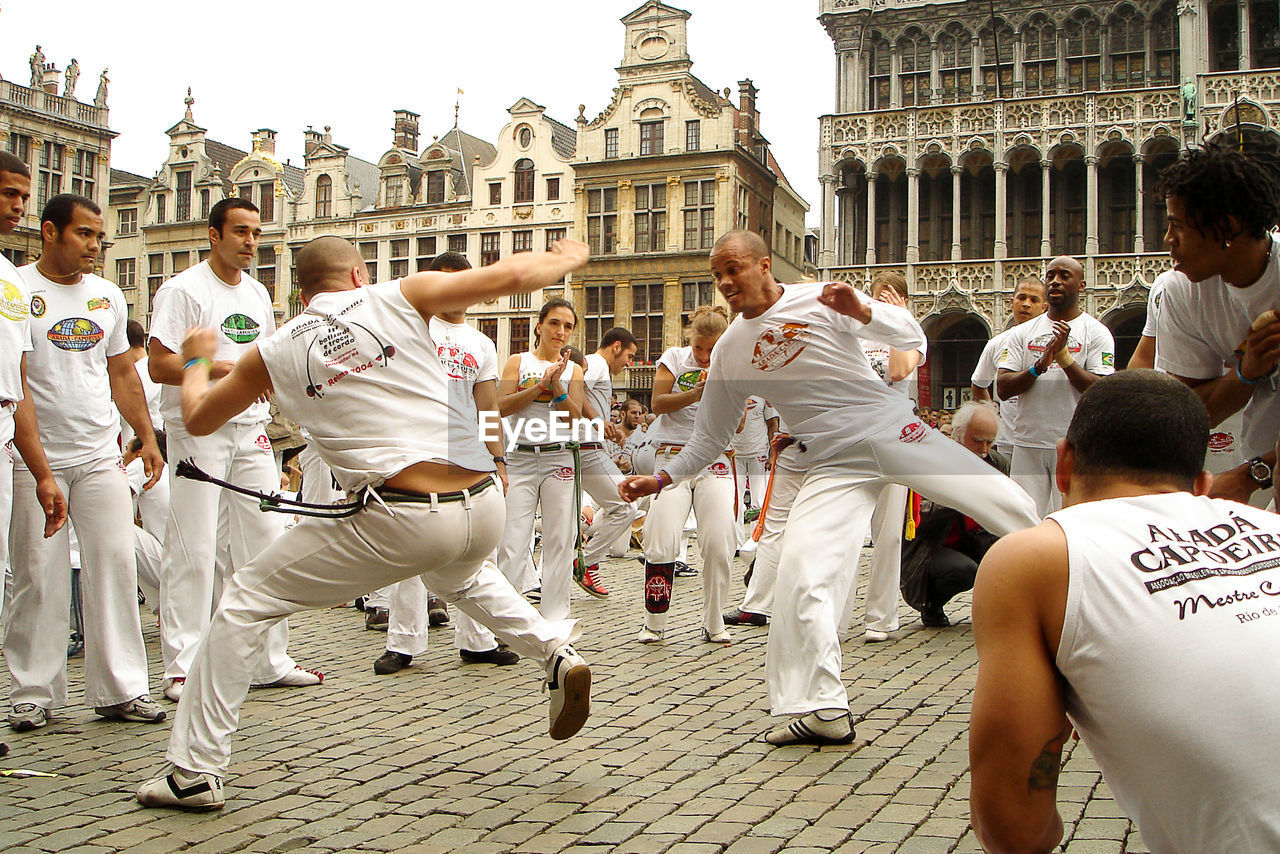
538, 411
359, 370
1171, 651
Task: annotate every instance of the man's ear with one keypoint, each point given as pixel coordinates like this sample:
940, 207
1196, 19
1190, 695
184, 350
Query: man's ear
48, 232
359, 275
1066, 463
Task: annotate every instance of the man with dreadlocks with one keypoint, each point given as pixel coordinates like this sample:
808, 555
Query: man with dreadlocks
1218, 330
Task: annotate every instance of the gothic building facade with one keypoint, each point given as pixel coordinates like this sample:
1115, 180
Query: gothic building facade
972, 141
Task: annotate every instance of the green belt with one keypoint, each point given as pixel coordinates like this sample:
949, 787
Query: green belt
394, 496
557, 446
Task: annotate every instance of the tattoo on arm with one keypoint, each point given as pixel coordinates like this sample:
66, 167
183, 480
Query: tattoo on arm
1046, 767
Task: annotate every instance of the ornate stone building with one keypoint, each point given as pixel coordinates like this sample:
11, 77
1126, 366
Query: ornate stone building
972, 141
665, 168
65, 141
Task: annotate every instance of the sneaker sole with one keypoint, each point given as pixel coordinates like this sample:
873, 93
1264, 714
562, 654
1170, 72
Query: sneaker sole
816, 740
149, 800
27, 726
577, 703
596, 593
133, 719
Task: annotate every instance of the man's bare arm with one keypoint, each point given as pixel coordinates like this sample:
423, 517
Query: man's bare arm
437, 292
207, 407
1144, 355
165, 366
131, 401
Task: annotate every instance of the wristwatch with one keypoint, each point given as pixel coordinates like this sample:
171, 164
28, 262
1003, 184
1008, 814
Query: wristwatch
1260, 472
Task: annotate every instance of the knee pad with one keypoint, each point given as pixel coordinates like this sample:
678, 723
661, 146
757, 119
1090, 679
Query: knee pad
658, 578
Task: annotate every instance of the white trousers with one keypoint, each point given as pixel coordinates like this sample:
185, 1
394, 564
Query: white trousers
35, 642
149, 555
193, 574
764, 573
752, 475
310, 567
887, 520
409, 621
600, 479
541, 478
1034, 469
710, 494
824, 537
7, 453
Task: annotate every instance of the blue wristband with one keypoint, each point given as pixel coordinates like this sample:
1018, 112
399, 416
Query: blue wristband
196, 361
1034, 373
1253, 381
561, 399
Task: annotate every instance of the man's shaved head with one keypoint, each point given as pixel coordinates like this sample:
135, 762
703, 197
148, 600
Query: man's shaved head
749, 241
1070, 262
325, 264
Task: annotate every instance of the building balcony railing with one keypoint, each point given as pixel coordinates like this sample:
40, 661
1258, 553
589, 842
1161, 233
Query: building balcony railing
47, 102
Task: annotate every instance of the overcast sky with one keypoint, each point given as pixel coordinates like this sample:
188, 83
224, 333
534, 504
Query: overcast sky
286, 65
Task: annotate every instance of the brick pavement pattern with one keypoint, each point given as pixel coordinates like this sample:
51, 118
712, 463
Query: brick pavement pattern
451, 757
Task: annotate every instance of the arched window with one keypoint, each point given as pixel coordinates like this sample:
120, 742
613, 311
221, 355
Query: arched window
878, 65
916, 57
1084, 51
524, 181
1000, 61
324, 197
1164, 45
955, 58
1127, 48
1040, 46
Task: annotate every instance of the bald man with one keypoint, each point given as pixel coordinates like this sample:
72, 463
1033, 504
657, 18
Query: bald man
1046, 364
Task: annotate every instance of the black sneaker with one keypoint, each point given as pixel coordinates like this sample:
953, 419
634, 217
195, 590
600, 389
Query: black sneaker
498, 655
683, 570
377, 619
437, 611
738, 617
934, 618
391, 662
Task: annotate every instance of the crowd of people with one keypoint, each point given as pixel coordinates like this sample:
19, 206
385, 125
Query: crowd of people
1118, 588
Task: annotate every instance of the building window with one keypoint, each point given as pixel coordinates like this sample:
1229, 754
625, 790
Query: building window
495, 193
369, 252
435, 187
599, 314
490, 247
1040, 62
742, 217
916, 57
128, 222
650, 138
426, 253
522, 241
324, 197
955, 50
997, 62
267, 201
20, 144
266, 272
646, 321
182, 198
245, 191
525, 137
610, 143
651, 218
127, 274
693, 135
181, 261
1127, 49
519, 339
1164, 43
51, 165
554, 234
602, 220
520, 302
458, 243
160, 205
82, 173
879, 63
699, 214
524, 181
553, 189
1084, 51
692, 295
155, 275
204, 204
489, 328
395, 193
400, 258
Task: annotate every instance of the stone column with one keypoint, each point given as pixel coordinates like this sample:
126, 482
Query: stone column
1091, 205
1046, 184
935, 74
626, 216
1139, 238
956, 173
871, 217
827, 251
1002, 217
1246, 35
913, 215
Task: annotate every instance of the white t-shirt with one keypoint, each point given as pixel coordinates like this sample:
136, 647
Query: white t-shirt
1201, 324
241, 314
151, 389
753, 439
15, 339
1045, 409
1168, 646
469, 358
878, 354
984, 376
74, 330
599, 385
807, 361
676, 427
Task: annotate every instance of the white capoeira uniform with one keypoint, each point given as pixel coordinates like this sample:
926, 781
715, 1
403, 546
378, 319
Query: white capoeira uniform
984, 376
709, 492
1045, 409
75, 329
468, 358
807, 360
887, 521
600, 475
750, 465
378, 406
539, 473
15, 340
195, 556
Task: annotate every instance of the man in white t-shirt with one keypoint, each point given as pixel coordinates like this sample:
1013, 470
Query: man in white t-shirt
750, 445
151, 388
216, 293
81, 380
600, 476
1143, 615
1226, 276
1026, 303
1047, 363
800, 346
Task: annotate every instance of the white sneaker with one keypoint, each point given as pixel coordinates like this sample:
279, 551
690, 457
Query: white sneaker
569, 684
721, 637
27, 716
296, 678
139, 710
811, 729
185, 790
648, 635
875, 636
173, 688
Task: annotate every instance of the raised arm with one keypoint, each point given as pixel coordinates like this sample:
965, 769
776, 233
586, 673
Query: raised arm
207, 407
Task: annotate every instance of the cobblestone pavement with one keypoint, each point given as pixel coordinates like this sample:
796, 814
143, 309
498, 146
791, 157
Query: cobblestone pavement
451, 757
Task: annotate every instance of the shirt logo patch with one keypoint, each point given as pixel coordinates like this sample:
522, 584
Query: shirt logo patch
779, 345
12, 305
75, 334
458, 363
913, 432
720, 470
240, 328
1036, 345
1219, 442
99, 302
531, 381
38, 307
689, 379
263, 442
1108, 360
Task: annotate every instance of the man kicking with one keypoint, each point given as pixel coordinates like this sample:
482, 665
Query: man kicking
360, 371
800, 347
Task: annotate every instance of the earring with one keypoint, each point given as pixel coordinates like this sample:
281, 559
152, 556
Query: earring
1226, 244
